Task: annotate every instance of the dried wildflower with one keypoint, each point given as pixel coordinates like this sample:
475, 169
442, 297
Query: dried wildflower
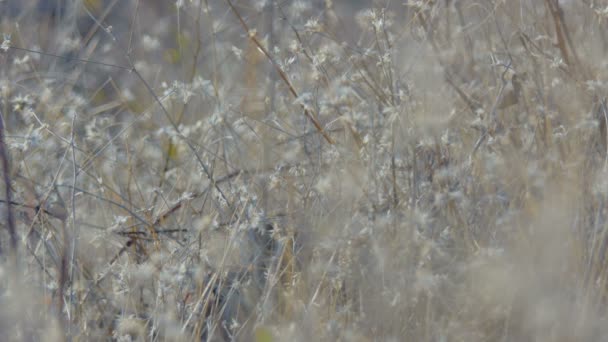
237, 52
601, 12
313, 25
6, 42
150, 43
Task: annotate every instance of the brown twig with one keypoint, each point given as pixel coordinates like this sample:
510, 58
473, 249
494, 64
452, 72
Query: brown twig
561, 41
10, 220
280, 71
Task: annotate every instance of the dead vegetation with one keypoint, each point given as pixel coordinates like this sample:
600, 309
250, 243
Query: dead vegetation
303, 170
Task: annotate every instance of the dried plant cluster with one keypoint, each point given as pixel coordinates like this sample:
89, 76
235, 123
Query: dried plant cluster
261, 170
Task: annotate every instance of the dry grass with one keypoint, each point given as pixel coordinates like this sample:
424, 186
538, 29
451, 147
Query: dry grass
304, 170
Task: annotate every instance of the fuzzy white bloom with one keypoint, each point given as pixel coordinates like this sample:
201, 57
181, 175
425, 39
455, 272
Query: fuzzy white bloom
364, 17
260, 4
6, 42
602, 12
182, 90
305, 100
594, 85
298, 7
557, 62
238, 53
118, 222
323, 184
150, 43
419, 5
313, 25
21, 61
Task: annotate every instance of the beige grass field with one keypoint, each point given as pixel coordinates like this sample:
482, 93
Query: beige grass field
304, 170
